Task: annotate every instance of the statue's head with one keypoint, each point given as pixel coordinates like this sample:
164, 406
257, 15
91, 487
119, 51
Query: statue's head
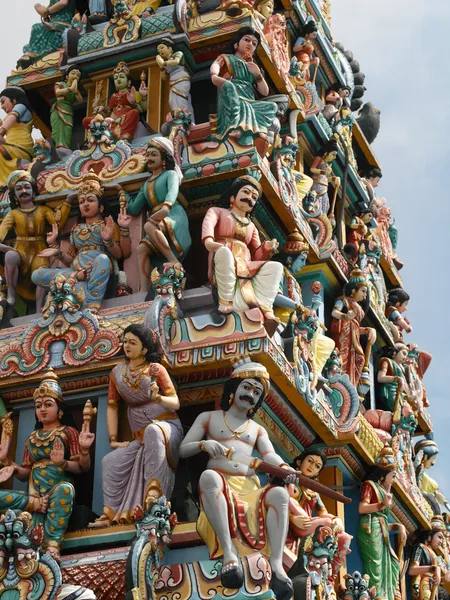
294, 253
121, 76
243, 194
73, 74
247, 387
366, 215
344, 91
11, 96
429, 450
49, 405
165, 48
90, 197
329, 150
310, 462
265, 7
372, 174
385, 469
399, 299
19, 542
160, 154
22, 188
357, 587
245, 42
140, 342
309, 29
398, 352
357, 286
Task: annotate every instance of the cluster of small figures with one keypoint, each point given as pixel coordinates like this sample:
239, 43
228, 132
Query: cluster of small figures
238, 516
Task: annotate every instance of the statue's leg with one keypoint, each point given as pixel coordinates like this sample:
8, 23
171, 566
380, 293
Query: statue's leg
266, 284
159, 476
60, 504
225, 277
12, 262
97, 282
159, 239
144, 265
40, 295
277, 523
215, 506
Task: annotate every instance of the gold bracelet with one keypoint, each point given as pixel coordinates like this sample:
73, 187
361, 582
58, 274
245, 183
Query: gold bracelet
201, 445
112, 438
63, 465
84, 451
109, 243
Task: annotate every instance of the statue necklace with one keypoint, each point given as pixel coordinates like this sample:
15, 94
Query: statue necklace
236, 432
137, 374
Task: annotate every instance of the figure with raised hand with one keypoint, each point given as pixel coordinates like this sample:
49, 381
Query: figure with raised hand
167, 236
141, 471
230, 488
61, 115
54, 452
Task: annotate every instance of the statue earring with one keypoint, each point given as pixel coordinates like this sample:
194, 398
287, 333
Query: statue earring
60, 414
230, 401
164, 164
251, 411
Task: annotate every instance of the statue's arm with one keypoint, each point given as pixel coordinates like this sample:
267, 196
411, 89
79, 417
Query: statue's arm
190, 446
267, 451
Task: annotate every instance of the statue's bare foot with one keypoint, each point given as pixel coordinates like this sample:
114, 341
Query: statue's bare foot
232, 576
270, 316
225, 309
43, 504
102, 521
54, 553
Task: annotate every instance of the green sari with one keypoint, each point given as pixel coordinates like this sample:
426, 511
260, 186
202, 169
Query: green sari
61, 117
48, 37
379, 559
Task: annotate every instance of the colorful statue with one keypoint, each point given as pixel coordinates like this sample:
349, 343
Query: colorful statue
236, 76
357, 587
393, 386
359, 230
263, 9
396, 305
322, 174
144, 8
305, 502
346, 327
53, 453
61, 116
229, 487
343, 126
426, 451
167, 228
172, 67
426, 568
47, 36
370, 178
95, 242
124, 106
275, 32
304, 49
24, 569
16, 143
293, 185
22, 260
143, 470
335, 99
416, 365
380, 562
238, 263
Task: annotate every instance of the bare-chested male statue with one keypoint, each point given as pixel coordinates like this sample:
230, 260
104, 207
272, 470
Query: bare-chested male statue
238, 517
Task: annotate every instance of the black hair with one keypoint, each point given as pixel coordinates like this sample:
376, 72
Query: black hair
170, 161
309, 452
376, 473
330, 146
66, 419
146, 339
14, 202
390, 351
166, 42
231, 386
72, 68
309, 27
397, 295
426, 534
365, 211
371, 172
243, 32
234, 188
14, 92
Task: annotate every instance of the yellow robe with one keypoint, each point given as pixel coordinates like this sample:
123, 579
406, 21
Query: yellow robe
30, 228
139, 7
19, 145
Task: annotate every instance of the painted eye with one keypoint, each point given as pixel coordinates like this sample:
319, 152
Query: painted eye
16, 535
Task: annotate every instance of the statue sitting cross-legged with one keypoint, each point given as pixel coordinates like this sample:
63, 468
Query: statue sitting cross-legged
239, 517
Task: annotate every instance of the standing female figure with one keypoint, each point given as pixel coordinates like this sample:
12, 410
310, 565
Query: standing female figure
140, 471
171, 64
303, 48
380, 561
61, 115
427, 569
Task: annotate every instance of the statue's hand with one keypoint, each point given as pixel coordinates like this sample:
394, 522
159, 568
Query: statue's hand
437, 576
57, 453
387, 502
107, 229
293, 479
115, 445
211, 245
401, 534
214, 448
40, 9
123, 218
86, 438
52, 236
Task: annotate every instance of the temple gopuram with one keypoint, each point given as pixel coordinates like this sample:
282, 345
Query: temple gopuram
209, 387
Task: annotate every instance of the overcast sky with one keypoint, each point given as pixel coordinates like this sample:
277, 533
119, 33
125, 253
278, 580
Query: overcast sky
404, 48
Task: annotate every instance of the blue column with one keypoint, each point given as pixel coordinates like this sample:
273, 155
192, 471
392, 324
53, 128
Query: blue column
27, 421
101, 449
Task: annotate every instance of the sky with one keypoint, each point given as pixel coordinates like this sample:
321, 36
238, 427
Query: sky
403, 47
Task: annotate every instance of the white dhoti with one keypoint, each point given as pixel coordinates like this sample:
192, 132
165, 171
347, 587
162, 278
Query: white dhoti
242, 293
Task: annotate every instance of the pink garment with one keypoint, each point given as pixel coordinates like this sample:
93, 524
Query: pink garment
220, 225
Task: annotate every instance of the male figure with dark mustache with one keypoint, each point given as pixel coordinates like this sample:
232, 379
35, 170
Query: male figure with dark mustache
29, 222
238, 517
238, 263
